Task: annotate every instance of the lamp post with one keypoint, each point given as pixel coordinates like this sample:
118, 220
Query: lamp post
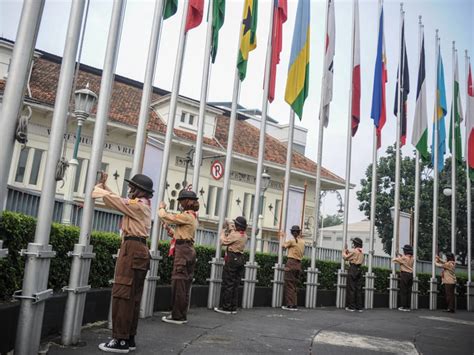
265, 183
84, 101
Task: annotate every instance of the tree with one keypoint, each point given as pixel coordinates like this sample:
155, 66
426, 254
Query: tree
330, 220
385, 200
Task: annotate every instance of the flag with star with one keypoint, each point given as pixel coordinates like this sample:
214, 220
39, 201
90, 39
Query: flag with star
248, 36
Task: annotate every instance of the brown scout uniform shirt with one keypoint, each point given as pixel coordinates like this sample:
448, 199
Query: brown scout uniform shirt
354, 256
406, 263
186, 223
295, 249
137, 212
235, 241
447, 276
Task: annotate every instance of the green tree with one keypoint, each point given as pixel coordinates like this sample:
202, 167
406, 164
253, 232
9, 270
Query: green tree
385, 200
330, 220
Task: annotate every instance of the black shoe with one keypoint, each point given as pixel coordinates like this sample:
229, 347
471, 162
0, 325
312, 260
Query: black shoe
115, 346
131, 343
350, 309
449, 310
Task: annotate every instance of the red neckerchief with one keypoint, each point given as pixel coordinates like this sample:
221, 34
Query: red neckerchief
173, 240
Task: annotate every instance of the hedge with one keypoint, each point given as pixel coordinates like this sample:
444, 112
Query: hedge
17, 230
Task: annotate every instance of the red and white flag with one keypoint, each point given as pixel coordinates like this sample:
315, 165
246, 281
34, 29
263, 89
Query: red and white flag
280, 15
355, 107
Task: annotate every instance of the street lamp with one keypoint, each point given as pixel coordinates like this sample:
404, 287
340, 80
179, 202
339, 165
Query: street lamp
447, 191
84, 101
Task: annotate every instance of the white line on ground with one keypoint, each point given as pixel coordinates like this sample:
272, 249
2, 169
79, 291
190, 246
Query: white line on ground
365, 342
450, 320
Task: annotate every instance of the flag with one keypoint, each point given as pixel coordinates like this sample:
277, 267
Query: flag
456, 110
470, 125
328, 64
195, 13
355, 109
218, 15
280, 14
405, 88
248, 35
420, 123
439, 114
378, 112
297, 84
171, 6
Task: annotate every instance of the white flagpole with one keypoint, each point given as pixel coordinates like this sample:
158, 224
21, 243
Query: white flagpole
433, 281
469, 285
150, 281
206, 74
453, 157
251, 266
341, 274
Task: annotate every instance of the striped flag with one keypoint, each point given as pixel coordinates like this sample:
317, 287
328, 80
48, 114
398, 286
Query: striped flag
378, 112
456, 109
355, 109
297, 84
440, 114
470, 125
218, 15
328, 74
248, 36
195, 13
171, 6
420, 123
405, 85
280, 14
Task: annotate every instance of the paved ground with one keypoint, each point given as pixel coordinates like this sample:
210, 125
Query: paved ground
321, 331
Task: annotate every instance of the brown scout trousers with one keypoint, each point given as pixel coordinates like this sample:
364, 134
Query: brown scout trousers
292, 275
406, 283
130, 272
449, 293
181, 278
231, 276
354, 287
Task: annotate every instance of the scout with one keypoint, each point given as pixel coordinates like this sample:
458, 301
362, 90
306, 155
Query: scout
448, 278
133, 260
234, 238
295, 248
185, 224
355, 257
406, 277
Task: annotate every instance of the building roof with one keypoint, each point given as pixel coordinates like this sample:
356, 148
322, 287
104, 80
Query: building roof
125, 108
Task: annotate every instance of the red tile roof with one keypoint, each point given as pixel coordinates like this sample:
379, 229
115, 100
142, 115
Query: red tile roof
125, 108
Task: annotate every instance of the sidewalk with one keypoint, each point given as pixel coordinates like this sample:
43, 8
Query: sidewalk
274, 331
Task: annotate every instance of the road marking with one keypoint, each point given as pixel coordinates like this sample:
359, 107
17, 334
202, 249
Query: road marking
449, 320
365, 342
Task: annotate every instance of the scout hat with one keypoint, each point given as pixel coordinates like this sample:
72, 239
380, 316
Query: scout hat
357, 242
241, 222
450, 256
187, 195
141, 182
408, 249
295, 228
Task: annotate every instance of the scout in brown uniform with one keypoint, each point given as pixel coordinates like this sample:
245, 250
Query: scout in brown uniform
185, 224
406, 277
133, 260
295, 248
355, 257
234, 238
448, 278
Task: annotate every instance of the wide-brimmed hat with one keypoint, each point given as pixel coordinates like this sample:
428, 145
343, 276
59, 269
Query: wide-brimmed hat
357, 241
141, 182
295, 228
241, 222
408, 249
187, 195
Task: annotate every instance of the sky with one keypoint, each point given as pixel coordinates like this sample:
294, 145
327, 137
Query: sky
453, 18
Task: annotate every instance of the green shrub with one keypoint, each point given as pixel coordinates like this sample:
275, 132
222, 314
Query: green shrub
17, 230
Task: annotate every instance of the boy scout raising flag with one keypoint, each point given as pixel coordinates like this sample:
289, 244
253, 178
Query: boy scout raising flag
133, 259
406, 276
448, 278
355, 257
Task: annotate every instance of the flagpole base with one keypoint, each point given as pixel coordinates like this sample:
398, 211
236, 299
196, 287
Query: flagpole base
414, 294
250, 281
369, 290
311, 287
433, 294
215, 282
3, 252
470, 296
341, 288
278, 282
393, 291
149, 288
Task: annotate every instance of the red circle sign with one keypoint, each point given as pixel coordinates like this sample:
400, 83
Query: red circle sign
217, 170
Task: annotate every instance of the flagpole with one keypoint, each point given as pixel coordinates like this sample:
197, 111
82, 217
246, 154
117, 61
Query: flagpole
414, 294
433, 282
341, 273
149, 289
251, 266
206, 74
469, 285
217, 263
453, 157
277, 294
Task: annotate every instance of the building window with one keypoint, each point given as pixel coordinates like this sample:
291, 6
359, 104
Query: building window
213, 201
218, 201
339, 239
80, 164
229, 203
248, 205
125, 184
326, 238
276, 216
187, 119
35, 166
21, 167
183, 117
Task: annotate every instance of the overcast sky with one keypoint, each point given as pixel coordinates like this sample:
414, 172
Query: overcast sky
453, 18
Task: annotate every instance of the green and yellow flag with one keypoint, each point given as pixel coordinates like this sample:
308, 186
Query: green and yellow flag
171, 6
248, 36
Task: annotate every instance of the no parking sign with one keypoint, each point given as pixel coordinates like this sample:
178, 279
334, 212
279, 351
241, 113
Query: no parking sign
217, 170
